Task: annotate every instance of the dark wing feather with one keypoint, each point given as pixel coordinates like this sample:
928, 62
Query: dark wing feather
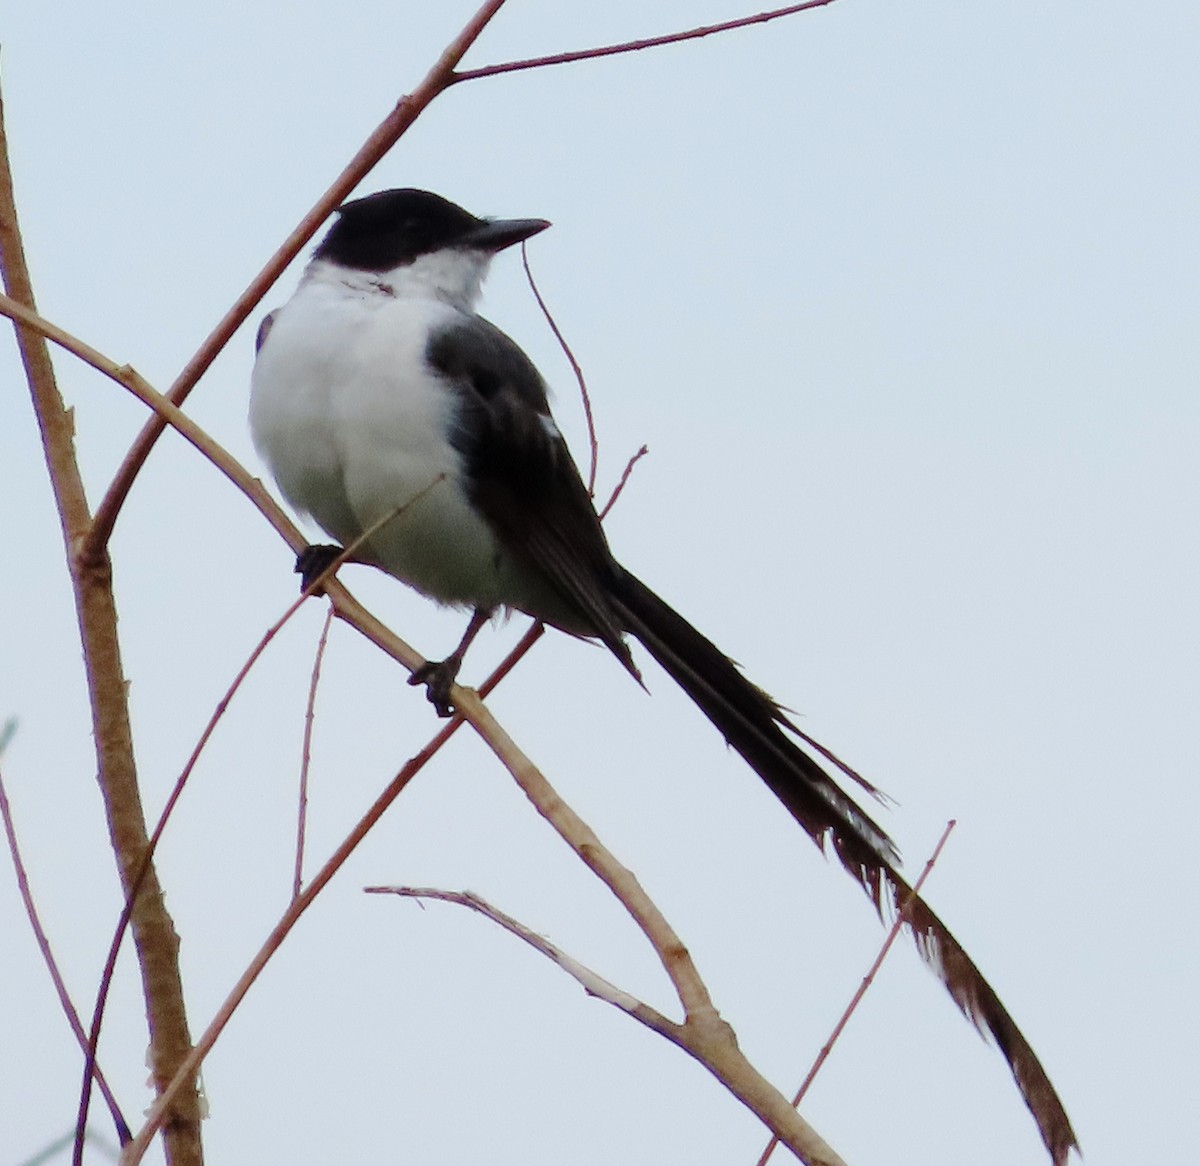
522, 477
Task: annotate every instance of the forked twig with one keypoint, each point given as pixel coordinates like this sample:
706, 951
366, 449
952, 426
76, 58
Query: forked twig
592, 982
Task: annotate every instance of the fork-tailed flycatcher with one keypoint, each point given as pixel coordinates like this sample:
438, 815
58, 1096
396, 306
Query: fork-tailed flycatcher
378, 390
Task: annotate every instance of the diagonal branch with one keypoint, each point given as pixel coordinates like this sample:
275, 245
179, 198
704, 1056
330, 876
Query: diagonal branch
43, 942
592, 982
867, 981
634, 46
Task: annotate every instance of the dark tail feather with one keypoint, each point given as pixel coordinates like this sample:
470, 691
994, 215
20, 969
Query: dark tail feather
754, 725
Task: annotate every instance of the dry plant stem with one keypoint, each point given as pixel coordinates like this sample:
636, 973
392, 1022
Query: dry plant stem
384, 137
634, 46
135, 1149
813, 1150
703, 1033
620, 486
585, 396
867, 981
154, 933
43, 943
592, 982
306, 752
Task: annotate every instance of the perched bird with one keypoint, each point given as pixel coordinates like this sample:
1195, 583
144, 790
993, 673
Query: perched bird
378, 390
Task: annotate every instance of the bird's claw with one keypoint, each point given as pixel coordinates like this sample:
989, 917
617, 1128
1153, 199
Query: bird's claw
312, 562
438, 676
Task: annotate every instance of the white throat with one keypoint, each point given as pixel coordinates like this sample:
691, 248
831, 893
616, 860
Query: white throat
453, 276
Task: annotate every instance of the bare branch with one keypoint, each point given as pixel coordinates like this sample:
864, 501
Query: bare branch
306, 752
593, 443
592, 982
634, 46
867, 981
620, 486
43, 942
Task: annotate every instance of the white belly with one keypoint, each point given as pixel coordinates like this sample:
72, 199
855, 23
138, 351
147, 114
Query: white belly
353, 427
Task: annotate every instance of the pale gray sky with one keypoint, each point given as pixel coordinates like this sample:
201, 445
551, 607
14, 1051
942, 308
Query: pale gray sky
903, 298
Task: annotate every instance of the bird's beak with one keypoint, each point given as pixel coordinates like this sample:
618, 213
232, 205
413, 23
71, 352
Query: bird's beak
496, 234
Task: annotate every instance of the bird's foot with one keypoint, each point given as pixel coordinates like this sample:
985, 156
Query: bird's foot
438, 676
312, 562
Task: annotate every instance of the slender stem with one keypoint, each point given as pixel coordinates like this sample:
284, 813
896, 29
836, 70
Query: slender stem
306, 752
634, 46
585, 396
621, 483
867, 981
60, 987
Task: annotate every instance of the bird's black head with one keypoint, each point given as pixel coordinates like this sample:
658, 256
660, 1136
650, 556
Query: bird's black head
394, 227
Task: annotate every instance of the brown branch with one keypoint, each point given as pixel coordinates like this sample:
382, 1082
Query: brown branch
306, 752
381, 140
633, 46
43, 942
592, 982
867, 981
585, 396
620, 486
154, 933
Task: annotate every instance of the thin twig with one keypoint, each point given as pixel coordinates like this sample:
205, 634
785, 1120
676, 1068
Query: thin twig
381, 140
592, 982
593, 442
633, 46
306, 751
867, 981
620, 486
60, 987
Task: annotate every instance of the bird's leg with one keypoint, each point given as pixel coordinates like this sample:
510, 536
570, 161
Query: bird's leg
313, 561
439, 676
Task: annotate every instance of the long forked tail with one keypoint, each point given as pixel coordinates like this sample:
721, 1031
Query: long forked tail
754, 725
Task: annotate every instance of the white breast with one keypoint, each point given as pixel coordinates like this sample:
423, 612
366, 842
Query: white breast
353, 425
